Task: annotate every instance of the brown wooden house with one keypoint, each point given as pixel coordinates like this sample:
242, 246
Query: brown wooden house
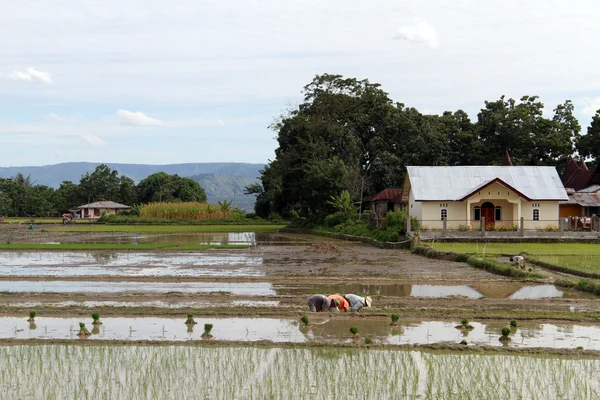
387, 200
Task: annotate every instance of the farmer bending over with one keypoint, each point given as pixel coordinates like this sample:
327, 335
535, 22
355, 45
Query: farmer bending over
320, 302
342, 302
357, 302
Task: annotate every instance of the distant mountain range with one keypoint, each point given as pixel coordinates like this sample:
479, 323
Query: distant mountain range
221, 181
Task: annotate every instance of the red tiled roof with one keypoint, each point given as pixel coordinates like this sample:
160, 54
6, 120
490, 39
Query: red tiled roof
389, 194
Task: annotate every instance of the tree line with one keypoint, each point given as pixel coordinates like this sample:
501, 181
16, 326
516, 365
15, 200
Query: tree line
21, 197
348, 135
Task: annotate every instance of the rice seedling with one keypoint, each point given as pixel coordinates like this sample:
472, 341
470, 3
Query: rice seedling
368, 341
96, 318
304, 320
96, 330
513, 323
32, 315
463, 342
83, 332
354, 332
505, 334
190, 320
395, 317
207, 330
465, 325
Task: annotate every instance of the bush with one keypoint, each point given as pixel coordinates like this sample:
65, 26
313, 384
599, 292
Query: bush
338, 218
293, 215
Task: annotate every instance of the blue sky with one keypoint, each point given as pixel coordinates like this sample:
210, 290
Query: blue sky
200, 81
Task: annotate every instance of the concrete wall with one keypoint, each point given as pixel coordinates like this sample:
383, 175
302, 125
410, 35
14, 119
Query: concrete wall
549, 214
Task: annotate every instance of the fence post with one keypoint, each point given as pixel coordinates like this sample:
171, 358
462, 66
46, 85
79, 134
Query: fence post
522, 227
561, 225
482, 226
444, 226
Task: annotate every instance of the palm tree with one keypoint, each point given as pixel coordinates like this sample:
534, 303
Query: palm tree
225, 207
342, 202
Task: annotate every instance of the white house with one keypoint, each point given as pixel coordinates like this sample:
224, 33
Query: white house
95, 210
465, 195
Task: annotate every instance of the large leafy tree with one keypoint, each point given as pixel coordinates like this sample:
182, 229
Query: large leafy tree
588, 145
102, 184
164, 187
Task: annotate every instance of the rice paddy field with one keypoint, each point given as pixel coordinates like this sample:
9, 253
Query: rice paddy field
177, 372
217, 313
493, 248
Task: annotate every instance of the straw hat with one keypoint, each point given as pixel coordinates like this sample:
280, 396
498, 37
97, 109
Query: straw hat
368, 301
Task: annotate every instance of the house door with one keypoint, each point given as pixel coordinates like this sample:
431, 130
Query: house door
487, 212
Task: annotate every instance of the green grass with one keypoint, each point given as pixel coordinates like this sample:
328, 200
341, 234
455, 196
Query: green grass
587, 264
57, 220
116, 246
517, 248
169, 228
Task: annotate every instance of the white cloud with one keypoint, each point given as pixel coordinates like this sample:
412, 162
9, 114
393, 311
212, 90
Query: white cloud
93, 140
137, 119
220, 122
52, 117
593, 105
30, 75
419, 32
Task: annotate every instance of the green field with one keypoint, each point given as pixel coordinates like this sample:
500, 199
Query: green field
517, 248
117, 246
177, 372
168, 228
57, 220
576, 264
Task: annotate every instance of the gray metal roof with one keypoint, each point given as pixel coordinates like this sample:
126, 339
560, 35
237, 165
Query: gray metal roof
454, 183
104, 204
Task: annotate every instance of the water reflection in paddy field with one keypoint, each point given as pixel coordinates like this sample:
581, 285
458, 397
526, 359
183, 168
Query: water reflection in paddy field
247, 288
195, 238
500, 290
140, 304
128, 264
177, 372
322, 330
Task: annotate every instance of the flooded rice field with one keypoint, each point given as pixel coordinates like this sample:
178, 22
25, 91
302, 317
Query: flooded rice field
195, 238
322, 329
73, 263
165, 372
509, 291
241, 288
171, 304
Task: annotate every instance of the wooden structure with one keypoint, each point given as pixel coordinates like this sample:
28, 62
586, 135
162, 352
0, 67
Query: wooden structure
583, 188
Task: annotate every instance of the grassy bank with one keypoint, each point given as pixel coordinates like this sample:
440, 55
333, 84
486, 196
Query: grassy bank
170, 228
117, 246
492, 266
517, 248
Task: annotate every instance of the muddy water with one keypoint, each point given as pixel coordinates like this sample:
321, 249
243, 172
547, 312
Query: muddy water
247, 288
155, 303
513, 291
193, 238
322, 330
128, 264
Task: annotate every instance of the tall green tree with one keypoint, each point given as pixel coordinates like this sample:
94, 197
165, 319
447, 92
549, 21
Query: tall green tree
588, 145
102, 184
164, 187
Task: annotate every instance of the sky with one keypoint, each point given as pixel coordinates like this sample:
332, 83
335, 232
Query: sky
161, 82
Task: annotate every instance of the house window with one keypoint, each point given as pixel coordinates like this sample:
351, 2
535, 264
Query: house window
498, 214
444, 214
536, 214
477, 214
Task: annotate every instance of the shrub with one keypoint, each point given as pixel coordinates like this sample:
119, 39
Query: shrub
337, 218
368, 341
462, 228
293, 215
